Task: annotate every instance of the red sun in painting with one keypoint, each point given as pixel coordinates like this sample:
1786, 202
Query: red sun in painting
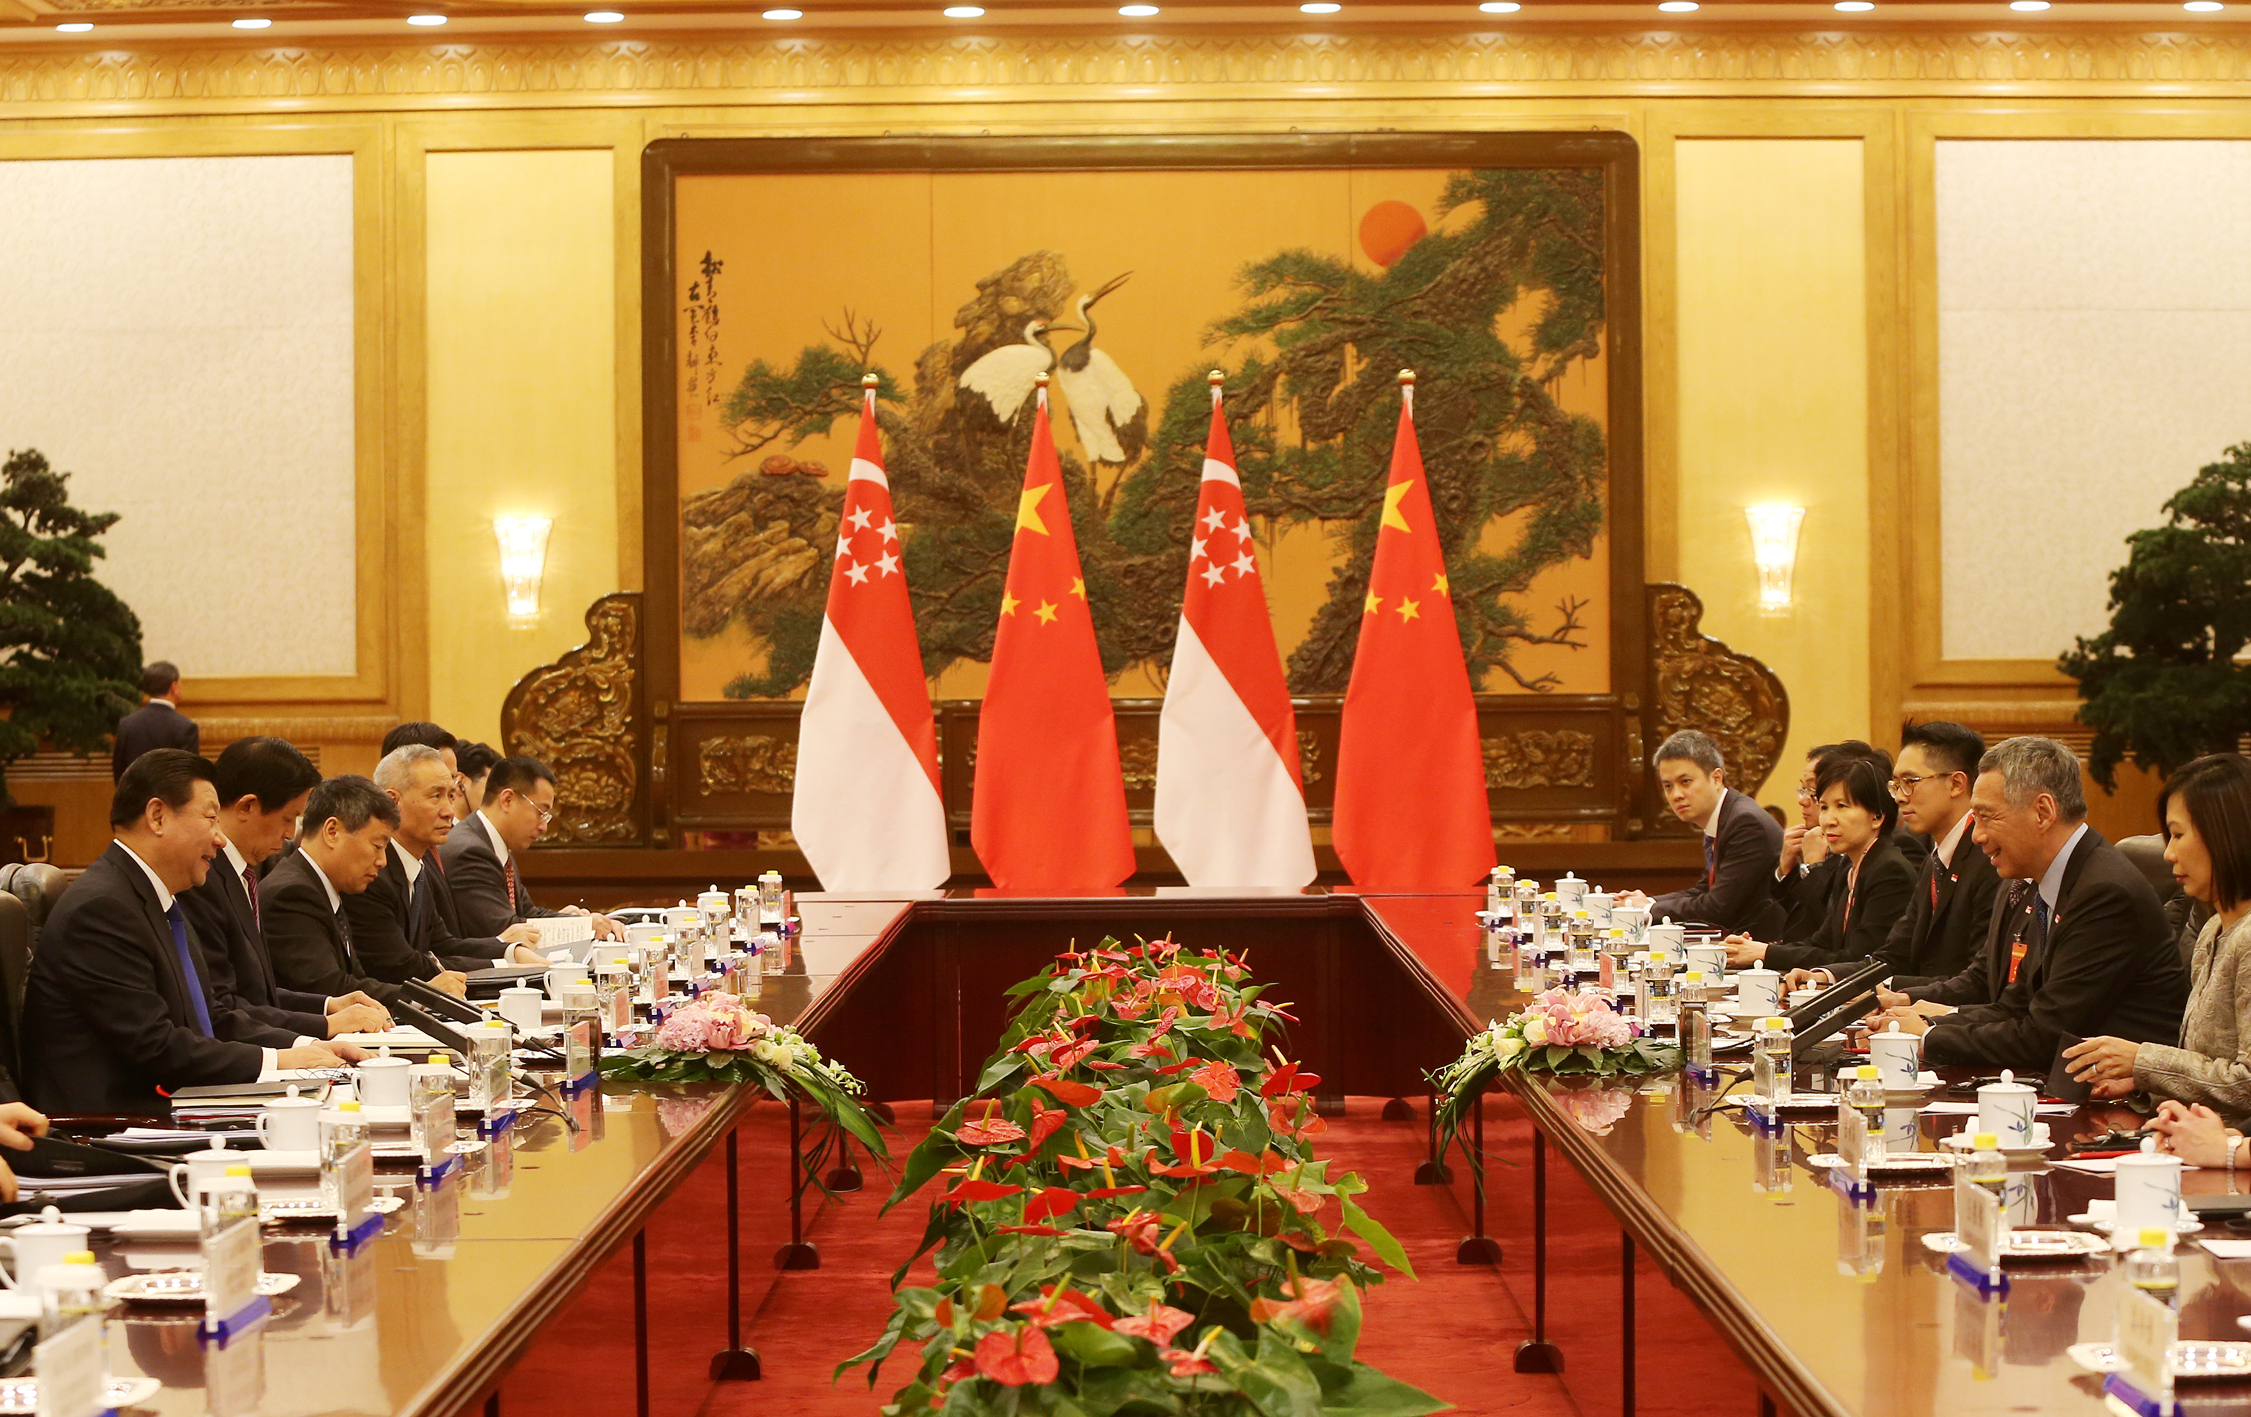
1388, 229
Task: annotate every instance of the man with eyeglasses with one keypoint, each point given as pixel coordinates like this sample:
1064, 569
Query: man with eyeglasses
479, 856
1952, 905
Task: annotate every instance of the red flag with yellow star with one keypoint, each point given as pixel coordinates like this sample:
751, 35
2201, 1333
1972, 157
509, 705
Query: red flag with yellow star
1049, 811
1411, 812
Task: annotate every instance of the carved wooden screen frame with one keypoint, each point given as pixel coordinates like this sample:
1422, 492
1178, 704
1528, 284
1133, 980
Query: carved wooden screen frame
1594, 739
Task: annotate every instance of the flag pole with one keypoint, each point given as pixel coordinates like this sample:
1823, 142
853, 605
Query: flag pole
1407, 388
1218, 377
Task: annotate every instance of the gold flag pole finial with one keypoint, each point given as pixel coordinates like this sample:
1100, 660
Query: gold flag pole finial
869, 380
1217, 377
1040, 379
1407, 378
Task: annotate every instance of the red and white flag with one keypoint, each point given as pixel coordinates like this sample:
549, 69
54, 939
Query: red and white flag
1049, 812
867, 810
1230, 807
1411, 810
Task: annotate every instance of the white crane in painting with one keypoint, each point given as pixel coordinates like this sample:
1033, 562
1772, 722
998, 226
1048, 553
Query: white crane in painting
1104, 402
1005, 377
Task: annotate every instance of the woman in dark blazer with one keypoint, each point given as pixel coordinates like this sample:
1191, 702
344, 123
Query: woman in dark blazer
1858, 813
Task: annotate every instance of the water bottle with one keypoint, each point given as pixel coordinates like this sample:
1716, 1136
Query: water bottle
2153, 1270
343, 1131
1865, 1095
1773, 1071
1500, 891
1580, 937
1653, 991
70, 1293
1986, 1165
1695, 1024
231, 1198
769, 900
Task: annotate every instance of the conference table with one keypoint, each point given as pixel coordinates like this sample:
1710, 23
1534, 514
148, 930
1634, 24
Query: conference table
1670, 1256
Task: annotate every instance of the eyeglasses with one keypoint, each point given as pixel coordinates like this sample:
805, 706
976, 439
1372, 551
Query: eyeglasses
1905, 786
546, 814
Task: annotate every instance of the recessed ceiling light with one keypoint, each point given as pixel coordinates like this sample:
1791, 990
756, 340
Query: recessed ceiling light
2204, 7
2028, 4
604, 17
1137, 12
782, 15
1500, 7
252, 24
1854, 7
1320, 7
1677, 7
425, 19
75, 27
964, 12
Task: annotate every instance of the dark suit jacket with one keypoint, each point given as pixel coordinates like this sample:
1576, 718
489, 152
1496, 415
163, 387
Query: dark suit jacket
1861, 913
1804, 895
235, 963
309, 950
390, 939
2108, 966
152, 725
107, 1018
480, 887
1938, 948
1739, 894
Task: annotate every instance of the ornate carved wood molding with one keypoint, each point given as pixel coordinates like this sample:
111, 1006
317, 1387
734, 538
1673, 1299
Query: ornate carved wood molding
811, 70
582, 716
1698, 682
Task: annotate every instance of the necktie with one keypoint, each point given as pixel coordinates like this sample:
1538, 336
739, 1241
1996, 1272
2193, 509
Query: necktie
250, 887
418, 904
1711, 862
344, 937
509, 871
188, 971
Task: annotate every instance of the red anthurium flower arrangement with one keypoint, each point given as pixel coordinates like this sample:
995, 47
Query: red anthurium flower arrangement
1154, 1157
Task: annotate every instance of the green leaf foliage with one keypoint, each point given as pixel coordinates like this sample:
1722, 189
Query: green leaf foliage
1136, 1198
70, 650
2162, 685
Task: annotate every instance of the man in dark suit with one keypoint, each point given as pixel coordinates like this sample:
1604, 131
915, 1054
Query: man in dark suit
479, 856
398, 916
345, 836
117, 1007
262, 785
2077, 947
1742, 844
1950, 911
155, 724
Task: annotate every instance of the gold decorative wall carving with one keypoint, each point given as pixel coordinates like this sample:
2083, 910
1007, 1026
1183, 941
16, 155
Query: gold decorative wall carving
1700, 683
815, 69
1539, 757
581, 716
746, 762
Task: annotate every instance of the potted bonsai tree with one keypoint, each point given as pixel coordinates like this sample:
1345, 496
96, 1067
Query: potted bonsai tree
69, 648
2166, 682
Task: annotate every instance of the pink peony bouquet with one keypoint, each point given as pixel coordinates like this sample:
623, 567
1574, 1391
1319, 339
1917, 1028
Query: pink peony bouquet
716, 1023
1562, 1019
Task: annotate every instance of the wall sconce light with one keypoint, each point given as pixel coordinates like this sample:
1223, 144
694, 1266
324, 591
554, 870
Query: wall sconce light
1774, 550
523, 560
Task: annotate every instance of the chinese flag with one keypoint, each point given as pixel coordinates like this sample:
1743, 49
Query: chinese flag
1411, 811
1049, 812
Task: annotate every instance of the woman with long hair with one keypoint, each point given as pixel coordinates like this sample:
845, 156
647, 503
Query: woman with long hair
2206, 1081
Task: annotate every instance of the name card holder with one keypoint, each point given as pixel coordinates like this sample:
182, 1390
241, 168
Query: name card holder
73, 1371
355, 1192
1852, 1150
1979, 1226
232, 1260
2147, 1330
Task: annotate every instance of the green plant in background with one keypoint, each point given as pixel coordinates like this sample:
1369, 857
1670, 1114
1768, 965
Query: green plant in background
2164, 683
1313, 401
69, 648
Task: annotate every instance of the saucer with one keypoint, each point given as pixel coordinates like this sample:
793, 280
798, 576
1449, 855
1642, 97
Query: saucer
2028, 1245
22, 1394
2037, 1147
2187, 1225
2189, 1360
